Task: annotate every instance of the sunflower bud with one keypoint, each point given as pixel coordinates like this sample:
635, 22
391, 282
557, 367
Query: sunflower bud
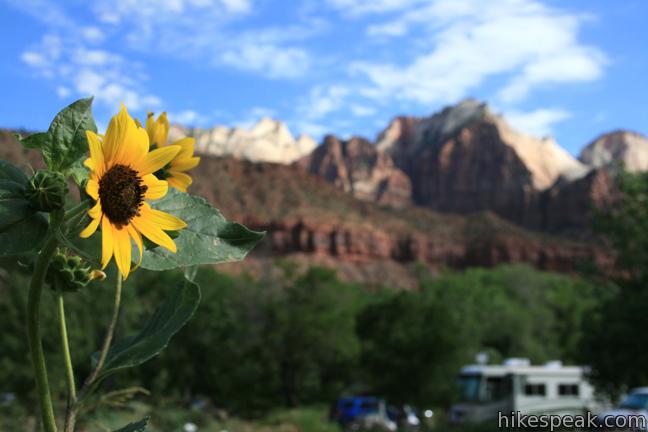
46, 190
69, 273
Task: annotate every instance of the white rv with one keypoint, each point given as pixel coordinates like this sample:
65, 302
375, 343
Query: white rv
516, 386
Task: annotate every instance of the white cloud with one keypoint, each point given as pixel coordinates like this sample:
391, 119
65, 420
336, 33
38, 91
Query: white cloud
62, 91
187, 118
271, 60
253, 115
362, 110
474, 40
83, 71
34, 59
93, 34
312, 129
538, 122
574, 65
362, 7
46, 11
203, 31
323, 100
242, 6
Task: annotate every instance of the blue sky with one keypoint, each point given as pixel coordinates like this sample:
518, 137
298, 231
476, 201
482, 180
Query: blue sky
571, 69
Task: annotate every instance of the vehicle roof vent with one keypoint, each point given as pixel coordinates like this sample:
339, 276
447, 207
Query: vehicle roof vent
517, 362
554, 364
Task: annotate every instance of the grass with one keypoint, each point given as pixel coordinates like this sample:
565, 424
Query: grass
171, 418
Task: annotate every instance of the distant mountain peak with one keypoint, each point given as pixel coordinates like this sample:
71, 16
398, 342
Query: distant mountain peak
266, 141
619, 146
407, 137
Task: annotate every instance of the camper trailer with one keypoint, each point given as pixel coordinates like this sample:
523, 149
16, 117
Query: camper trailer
517, 386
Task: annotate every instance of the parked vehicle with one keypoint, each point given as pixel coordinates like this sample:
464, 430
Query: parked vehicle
634, 405
405, 417
517, 386
348, 409
360, 413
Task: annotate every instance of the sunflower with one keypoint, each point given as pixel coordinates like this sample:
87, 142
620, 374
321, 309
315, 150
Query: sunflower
120, 181
174, 172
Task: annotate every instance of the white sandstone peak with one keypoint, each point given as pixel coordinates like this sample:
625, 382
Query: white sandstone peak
267, 141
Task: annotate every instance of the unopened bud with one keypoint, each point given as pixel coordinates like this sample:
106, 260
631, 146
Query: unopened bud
46, 191
70, 273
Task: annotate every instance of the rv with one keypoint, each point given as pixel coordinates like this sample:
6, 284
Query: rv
517, 386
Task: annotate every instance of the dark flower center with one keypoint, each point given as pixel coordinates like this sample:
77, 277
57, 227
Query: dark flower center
121, 193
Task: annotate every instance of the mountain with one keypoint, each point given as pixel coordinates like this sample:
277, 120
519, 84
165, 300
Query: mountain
267, 141
466, 159
356, 166
608, 150
311, 221
465, 136
463, 159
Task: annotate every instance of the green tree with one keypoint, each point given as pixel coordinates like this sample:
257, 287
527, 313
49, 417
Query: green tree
411, 349
615, 334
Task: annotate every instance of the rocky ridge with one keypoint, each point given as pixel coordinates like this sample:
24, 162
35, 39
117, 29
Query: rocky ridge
610, 149
467, 159
267, 141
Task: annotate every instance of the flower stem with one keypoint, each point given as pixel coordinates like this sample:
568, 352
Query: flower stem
111, 330
65, 347
34, 333
90, 381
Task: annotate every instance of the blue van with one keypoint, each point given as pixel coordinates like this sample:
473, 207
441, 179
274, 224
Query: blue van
349, 409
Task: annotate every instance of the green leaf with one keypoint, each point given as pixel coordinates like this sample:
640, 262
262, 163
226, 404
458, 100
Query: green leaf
14, 207
65, 141
167, 320
23, 236
78, 172
139, 426
36, 141
11, 173
22, 228
208, 239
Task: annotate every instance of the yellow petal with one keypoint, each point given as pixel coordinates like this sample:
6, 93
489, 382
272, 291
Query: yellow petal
115, 134
155, 189
157, 159
122, 250
127, 143
89, 163
184, 164
92, 189
158, 130
97, 274
187, 147
150, 127
153, 233
106, 242
138, 241
95, 212
138, 146
163, 220
180, 181
90, 229
96, 152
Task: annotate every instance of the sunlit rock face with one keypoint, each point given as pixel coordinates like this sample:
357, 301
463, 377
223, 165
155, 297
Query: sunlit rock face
466, 158
356, 166
267, 141
612, 149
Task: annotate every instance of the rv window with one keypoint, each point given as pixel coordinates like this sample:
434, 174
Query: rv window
469, 387
498, 388
535, 390
568, 389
